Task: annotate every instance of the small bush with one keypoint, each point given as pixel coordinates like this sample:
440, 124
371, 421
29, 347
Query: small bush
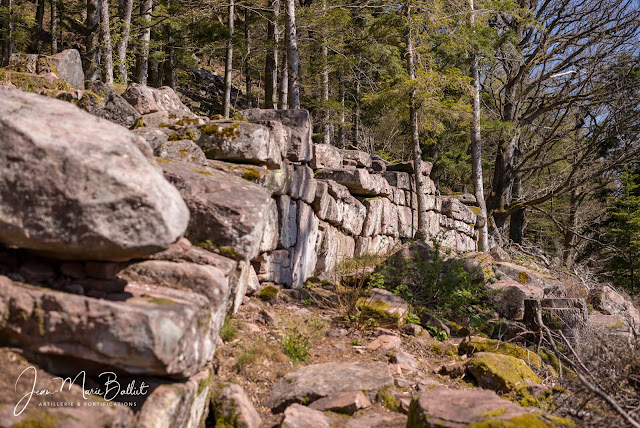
296, 344
446, 286
387, 399
229, 330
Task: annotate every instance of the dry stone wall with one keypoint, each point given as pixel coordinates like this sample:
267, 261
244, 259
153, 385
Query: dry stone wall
123, 250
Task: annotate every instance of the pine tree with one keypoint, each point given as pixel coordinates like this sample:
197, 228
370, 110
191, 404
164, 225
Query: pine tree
625, 228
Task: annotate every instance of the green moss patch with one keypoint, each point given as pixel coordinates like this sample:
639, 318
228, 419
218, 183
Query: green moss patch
268, 293
500, 373
479, 344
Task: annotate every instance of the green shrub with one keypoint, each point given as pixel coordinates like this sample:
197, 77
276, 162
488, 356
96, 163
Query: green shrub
296, 344
445, 286
229, 330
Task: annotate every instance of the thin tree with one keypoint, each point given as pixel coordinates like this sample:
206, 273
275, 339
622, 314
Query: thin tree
326, 131
142, 60
7, 42
292, 54
228, 65
105, 35
271, 63
476, 143
283, 91
124, 11
92, 54
40, 25
54, 27
421, 233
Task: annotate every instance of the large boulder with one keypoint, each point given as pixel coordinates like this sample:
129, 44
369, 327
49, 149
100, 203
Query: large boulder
358, 181
321, 380
177, 404
500, 373
326, 156
241, 142
211, 282
233, 407
362, 159
150, 100
103, 101
228, 213
608, 301
181, 150
68, 66
78, 187
300, 148
459, 408
476, 344
144, 331
509, 297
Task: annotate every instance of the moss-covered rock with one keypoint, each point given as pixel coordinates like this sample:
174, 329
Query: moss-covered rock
479, 344
531, 420
268, 293
500, 373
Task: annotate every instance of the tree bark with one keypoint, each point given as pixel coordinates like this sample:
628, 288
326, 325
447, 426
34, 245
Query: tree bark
169, 64
292, 55
92, 54
228, 66
476, 147
342, 132
247, 56
271, 63
516, 220
7, 42
105, 35
283, 94
125, 11
421, 233
54, 27
142, 60
356, 115
40, 22
326, 125
569, 241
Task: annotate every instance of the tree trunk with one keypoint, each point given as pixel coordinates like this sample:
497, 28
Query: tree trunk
169, 63
154, 72
476, 147
342, 132
105, 35
92, 54
421, 233
356, 115
142, 60
271, 63
7, 42
283, 94
292, 54
569, 241
247, 56
54, 27
516, 221
124, 11
40, 25
326, 125
228, 66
